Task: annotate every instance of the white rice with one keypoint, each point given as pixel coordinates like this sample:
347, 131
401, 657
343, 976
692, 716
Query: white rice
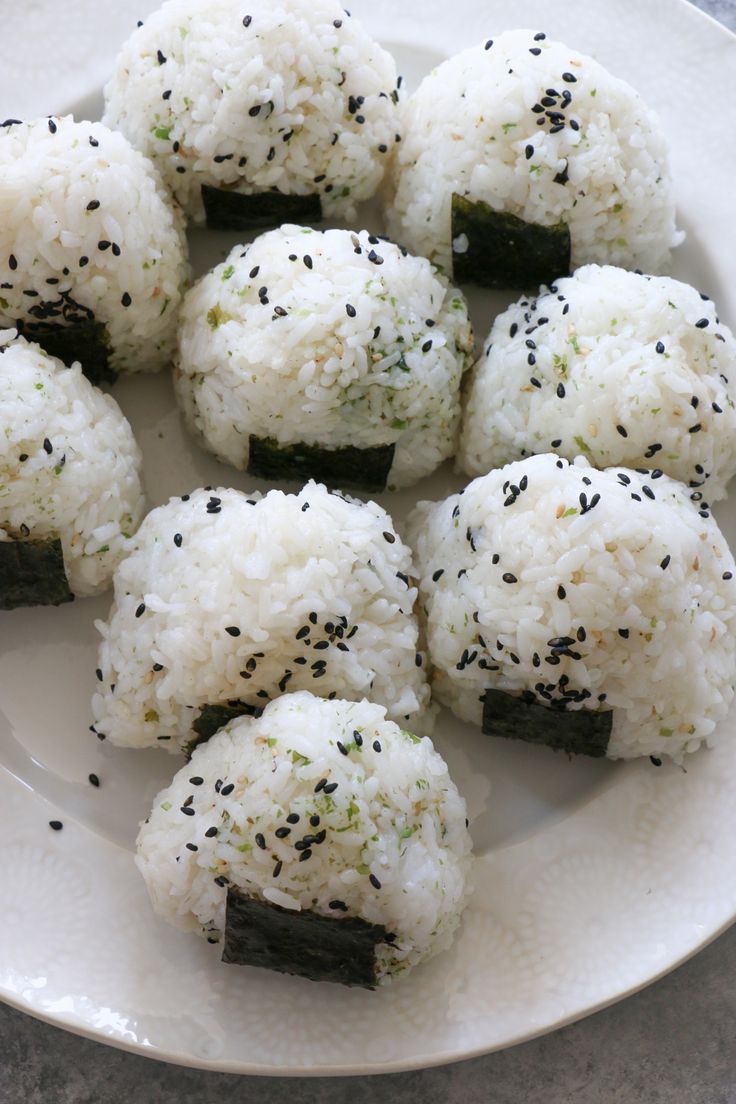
329, 338
300, 100
69, 465
471, 128
394, 815
647, 576
229, 598
627, 369
61, 256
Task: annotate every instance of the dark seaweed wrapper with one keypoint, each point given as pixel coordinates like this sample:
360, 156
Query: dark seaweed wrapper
68, 330
578, 731
504, 251
366, 469
321, 948
226, 209
211, 718
32, 574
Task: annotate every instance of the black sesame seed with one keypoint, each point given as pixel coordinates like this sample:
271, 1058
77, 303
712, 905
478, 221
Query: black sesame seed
259, 837
94, 780
659, 347
374, 881
376, 745
140, 610
338, 906
56, 825
93, 205
12, 262
438, 574
161, 57
178, 539
561, 592
330, 787
305, 855
727, 575
389, 538
620, 429
560, 390
509, 578
320, 785
350, 310
702, 323
529, 152
624, 633
187, 811
535, 50
569, 78
52, 126
282, 833
696, 428
93, 142
126, 299
47, 446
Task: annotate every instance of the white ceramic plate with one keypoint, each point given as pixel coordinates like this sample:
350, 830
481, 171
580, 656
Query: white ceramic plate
592, 878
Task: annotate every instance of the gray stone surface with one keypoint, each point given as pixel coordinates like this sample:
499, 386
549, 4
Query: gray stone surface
673, 1043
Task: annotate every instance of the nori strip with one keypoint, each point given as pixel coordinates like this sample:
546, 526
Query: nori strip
503, 250
364, 468
321, 948
212, 717
579, 731
32, 574
229, 210
67, 330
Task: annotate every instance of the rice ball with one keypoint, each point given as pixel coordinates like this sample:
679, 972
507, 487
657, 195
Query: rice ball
626, 369
328, 354
540, 133
319, 839
590, 610
70, 472
93, 259
226, 601
274, 100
